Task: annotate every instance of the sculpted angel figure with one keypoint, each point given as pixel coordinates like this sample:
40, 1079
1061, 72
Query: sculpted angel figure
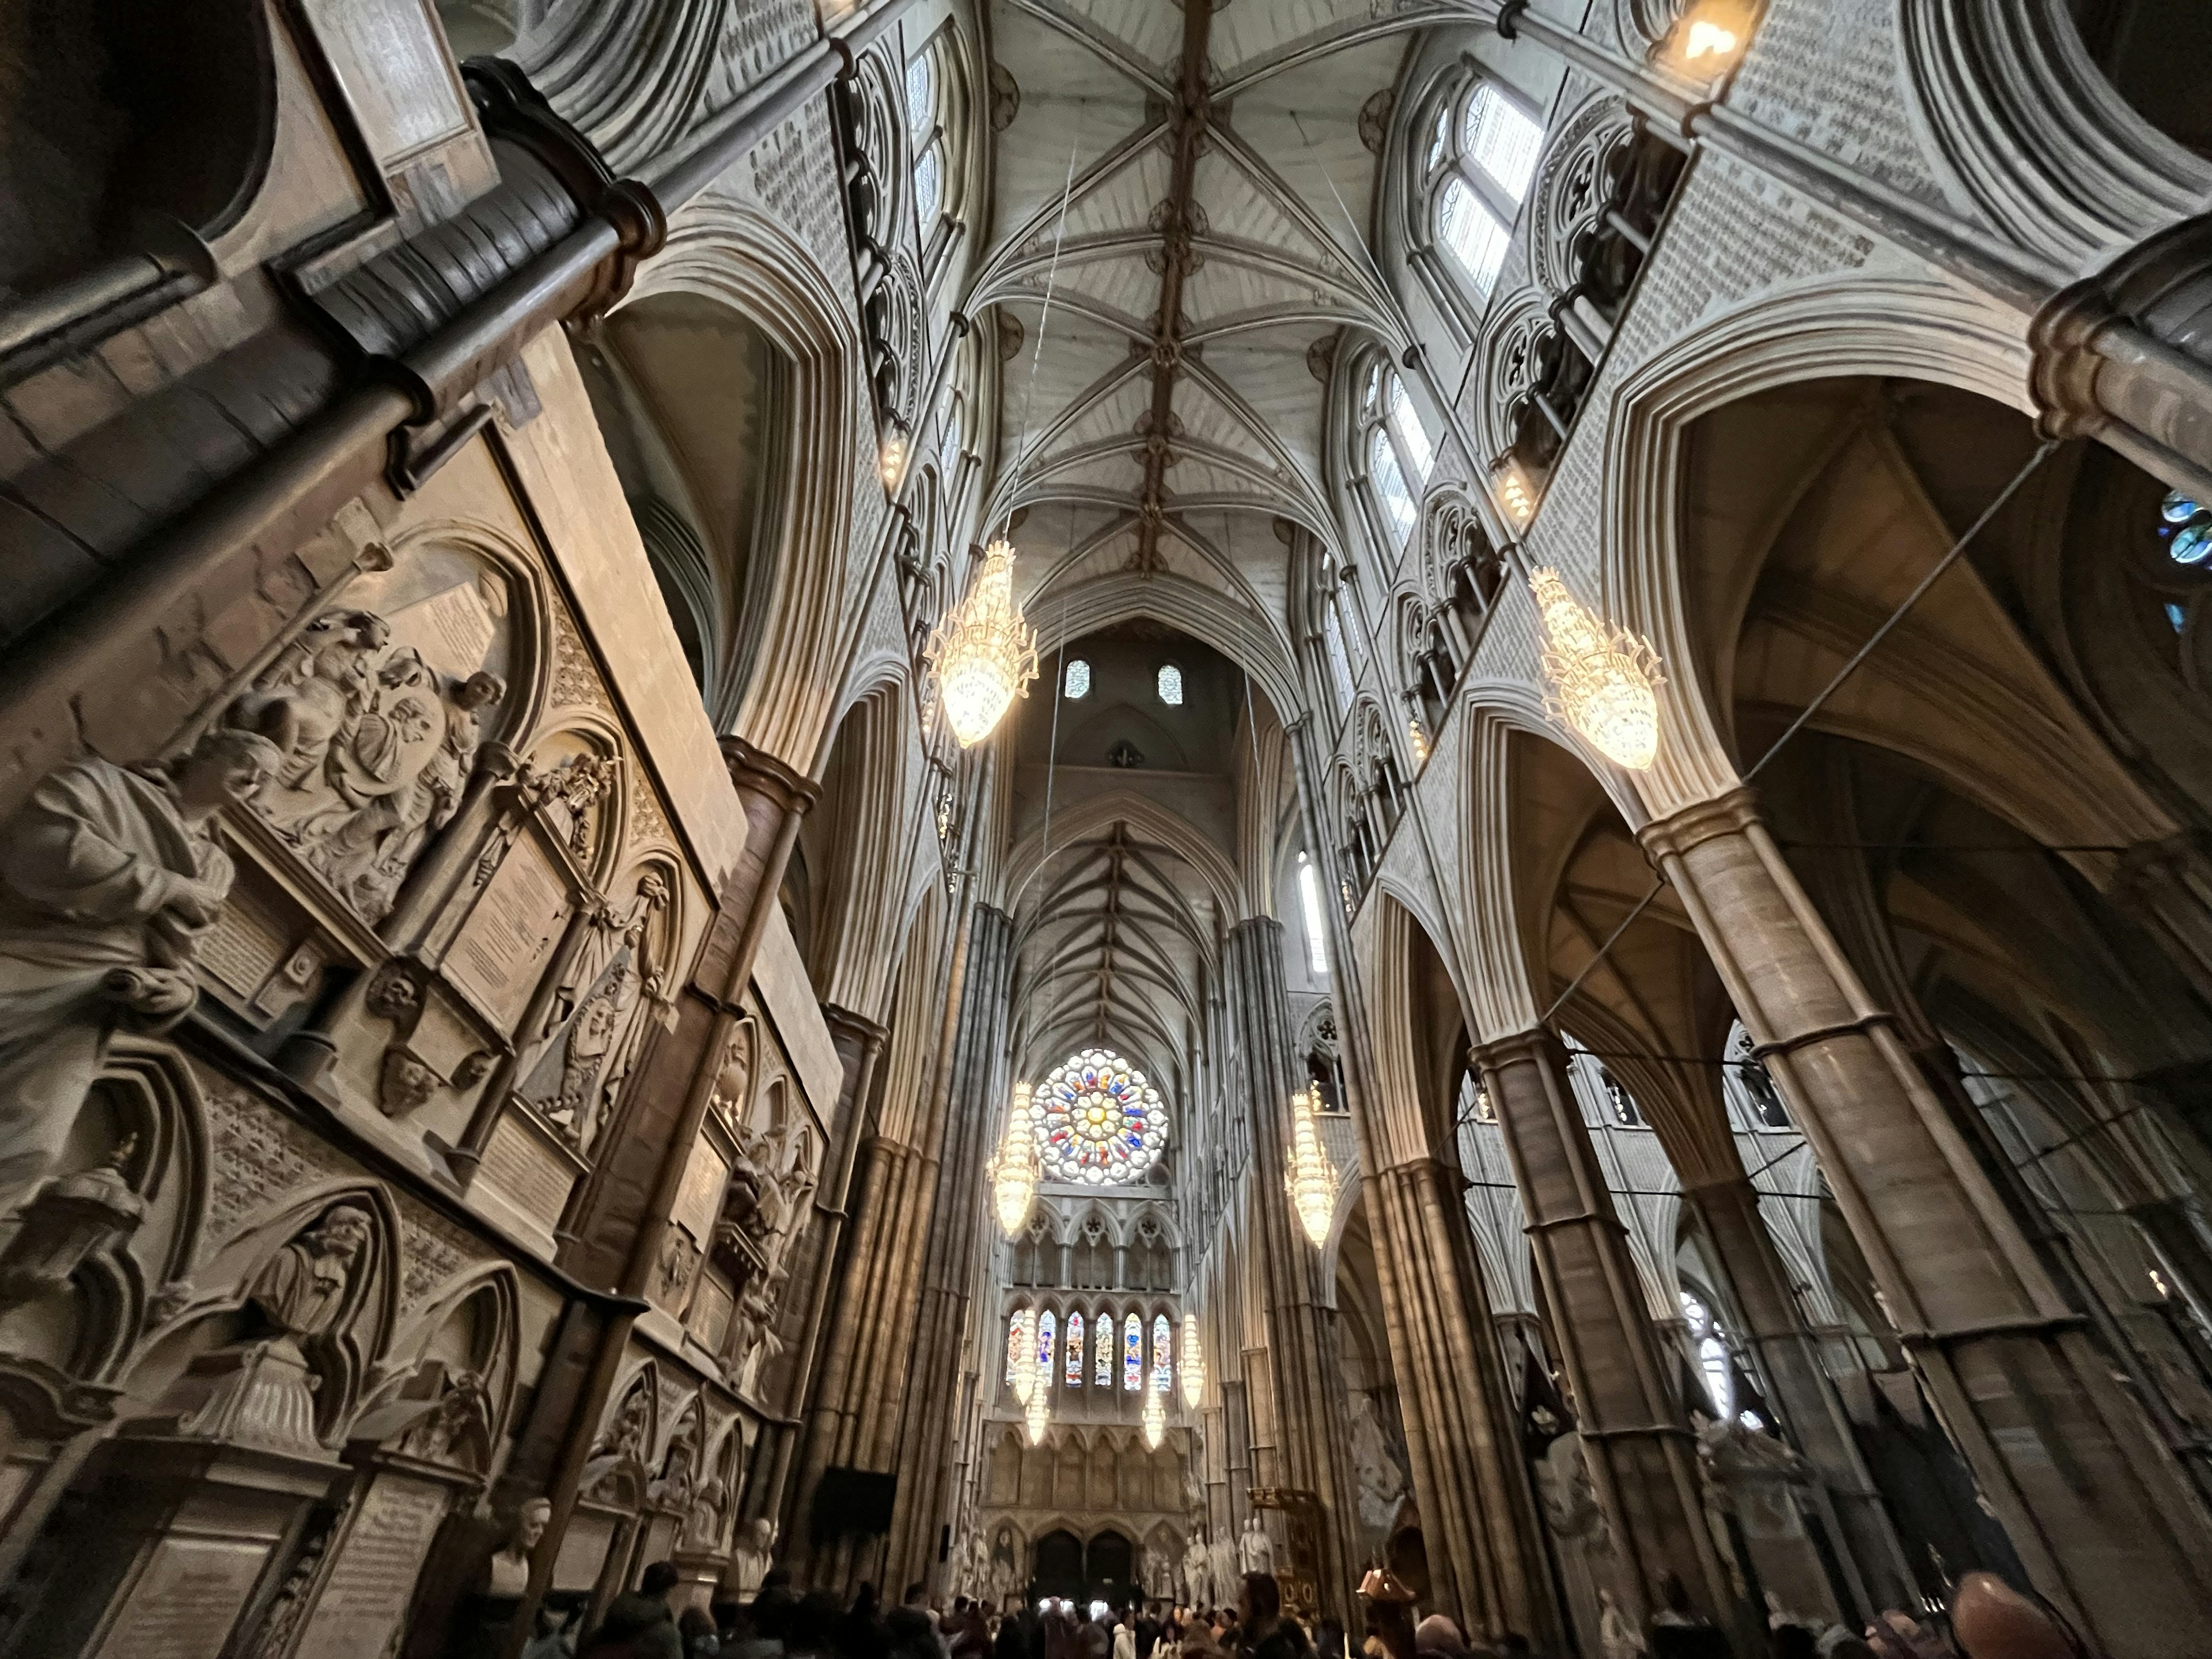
109, 880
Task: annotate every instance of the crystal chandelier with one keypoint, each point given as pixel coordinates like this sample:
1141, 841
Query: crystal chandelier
1417, 739
1312, 1178
1602, 686
1013, 1170
894, 457
1023, 1337
1039, 1415
983, 655
1194, 1363
1155, 1419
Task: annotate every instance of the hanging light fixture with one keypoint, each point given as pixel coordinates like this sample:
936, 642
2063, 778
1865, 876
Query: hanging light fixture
1194, 1364
1155, 1418
984, 655
1039, 1415
1417, 739
1024, 1339
894, 456
1603, 685
1312, 1178
1013, 1170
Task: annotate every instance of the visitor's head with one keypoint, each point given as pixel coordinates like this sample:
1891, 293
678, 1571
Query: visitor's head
659, 1578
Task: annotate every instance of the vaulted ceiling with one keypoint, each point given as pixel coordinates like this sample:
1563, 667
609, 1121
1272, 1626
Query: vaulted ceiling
1182, 203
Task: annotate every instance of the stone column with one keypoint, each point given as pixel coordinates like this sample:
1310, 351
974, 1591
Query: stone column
1642, 1460
2098, 1510
929, 1434
859, 1040
1478, 1512
1312, 1436
1790, 1360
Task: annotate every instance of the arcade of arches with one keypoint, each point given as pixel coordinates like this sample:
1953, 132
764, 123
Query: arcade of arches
510, 985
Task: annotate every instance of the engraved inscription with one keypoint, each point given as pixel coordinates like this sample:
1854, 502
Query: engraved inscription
243, 948
367, 1590
185, 1603
699, 1198
510, 933
519, 1163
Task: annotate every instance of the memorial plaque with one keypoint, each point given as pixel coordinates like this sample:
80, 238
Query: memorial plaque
699, 1200
186, 1602
243, 948
386, 55
711, 1307
583, 1551
372, 1580
504, 945
519, 1162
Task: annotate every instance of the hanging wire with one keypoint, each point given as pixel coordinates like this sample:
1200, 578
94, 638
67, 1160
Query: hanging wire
1036, 354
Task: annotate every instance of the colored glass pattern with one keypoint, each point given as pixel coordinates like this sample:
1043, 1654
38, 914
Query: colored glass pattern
1133, 1353
1075, 1351
1097, 1120
1162, 1360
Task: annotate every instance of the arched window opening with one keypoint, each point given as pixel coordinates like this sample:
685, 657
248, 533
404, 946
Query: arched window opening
1487, 161
1475, 236
1163, 1361
1339, 665
1397, 501
1310, 914
1170, 685
1132, 1354
1014, 1329
1101, 1367
1413, 436
1748, 1085
1047, 1329
1078, 680
1074, 1350
1710, 1344
1501, 140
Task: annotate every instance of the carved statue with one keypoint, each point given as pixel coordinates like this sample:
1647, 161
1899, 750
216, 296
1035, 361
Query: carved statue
303, 1288
108, 882
757, 1342
1222, 1569
510, 1567
1255, 1551
679, 1467
376, 747
1381, 1482
1197, 1572
611, 982
754, 1555
624, 1442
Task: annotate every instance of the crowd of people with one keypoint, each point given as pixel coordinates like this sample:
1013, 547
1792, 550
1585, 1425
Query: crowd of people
1987, 1620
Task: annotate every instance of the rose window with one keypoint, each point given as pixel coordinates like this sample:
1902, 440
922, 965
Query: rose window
1098, 1120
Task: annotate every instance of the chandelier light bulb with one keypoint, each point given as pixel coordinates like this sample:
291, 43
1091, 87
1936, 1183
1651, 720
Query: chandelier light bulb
1603, 684
1312, 1178
894, 459
1014, 1170
1194, 1364
1708, 40
1155, 1418
1023, 1337
983, 655
1038, 1415
1418, 739
1514, 494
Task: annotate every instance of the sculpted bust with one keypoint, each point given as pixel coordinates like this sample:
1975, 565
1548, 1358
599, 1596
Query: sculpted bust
754, 1555
303, 1288
108, 882
510, 1568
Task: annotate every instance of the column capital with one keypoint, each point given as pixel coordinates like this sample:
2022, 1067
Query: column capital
1538, 1045
1730, 814
755, 770
857, 1029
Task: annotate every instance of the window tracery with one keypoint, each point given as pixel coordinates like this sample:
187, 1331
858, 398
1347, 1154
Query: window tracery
1101, 1367
1074, 1350
1132, 1354
1170, 685
1163, 1361
1481, 155
1078, 680
1098, 1120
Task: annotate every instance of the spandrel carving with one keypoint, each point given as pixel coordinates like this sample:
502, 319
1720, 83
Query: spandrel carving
379, 709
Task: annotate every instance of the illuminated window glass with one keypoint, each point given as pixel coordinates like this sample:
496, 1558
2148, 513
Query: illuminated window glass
1390, 485
1097, 1120
2186, 525
1101, 1369
928, 186
921, 95
1079, 680
1047, 1329
1132, 1354
948, 446
1411, 433
1339, 665
1712, 1356
1501, 141
1473, 232
1440, 138
1163, 1361
1013, 1343
1310, 908
1075, 1351
1170, 684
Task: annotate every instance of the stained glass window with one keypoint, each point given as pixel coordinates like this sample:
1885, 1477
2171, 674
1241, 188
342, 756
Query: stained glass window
1047, 1329
1133, 1353
1163, 1361
1013, 1343
1097, 1120
1310, 908
1501, 140
1075, 1351
1079, 680
1170, 684
1712, 1355
2186, 525
1102, 1371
